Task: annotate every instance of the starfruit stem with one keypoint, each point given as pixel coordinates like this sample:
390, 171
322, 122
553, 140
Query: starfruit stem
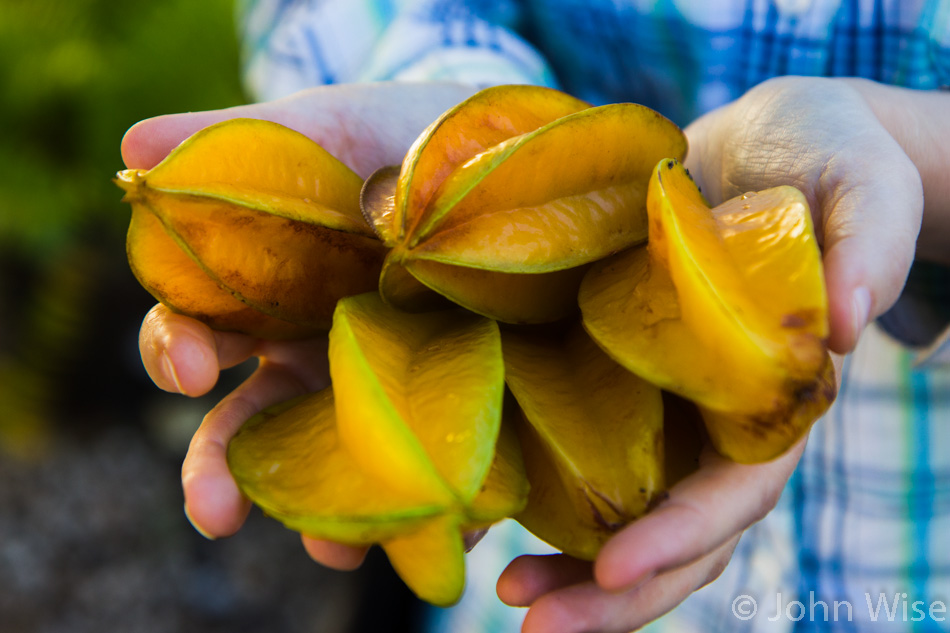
131, 181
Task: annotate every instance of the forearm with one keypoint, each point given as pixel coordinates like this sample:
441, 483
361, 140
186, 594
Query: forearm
920, 122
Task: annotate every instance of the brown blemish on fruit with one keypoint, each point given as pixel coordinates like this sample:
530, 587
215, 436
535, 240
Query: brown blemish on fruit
239, 220
793, 320
800, 319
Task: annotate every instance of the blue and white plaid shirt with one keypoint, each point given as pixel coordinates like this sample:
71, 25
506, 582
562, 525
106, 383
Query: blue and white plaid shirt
861, 539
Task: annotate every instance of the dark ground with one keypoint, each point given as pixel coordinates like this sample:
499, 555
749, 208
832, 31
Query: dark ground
92, 533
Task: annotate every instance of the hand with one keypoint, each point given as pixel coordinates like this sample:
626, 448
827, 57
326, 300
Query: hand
365, 126
865, 193
655, 562
866, 198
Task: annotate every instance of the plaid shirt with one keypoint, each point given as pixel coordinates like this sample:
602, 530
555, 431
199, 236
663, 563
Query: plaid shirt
861, 539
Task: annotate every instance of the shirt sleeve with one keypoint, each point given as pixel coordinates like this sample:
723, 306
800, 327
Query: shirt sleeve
290, 45
921, 317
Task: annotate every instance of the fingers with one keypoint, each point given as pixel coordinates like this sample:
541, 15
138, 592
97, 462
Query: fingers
364, 125
334, 555
213, 502
182, 355
655, 562
527, 578
870, 231
147, 142
570, 603
703, 512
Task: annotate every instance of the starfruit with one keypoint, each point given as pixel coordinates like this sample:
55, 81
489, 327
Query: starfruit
504, 209
407, 450
592, 438
411, 385
506, 198
250, 226
699, 312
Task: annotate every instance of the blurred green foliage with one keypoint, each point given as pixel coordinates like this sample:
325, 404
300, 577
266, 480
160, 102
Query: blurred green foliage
74, 75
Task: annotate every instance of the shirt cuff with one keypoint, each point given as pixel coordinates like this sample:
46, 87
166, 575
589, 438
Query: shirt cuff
921, 317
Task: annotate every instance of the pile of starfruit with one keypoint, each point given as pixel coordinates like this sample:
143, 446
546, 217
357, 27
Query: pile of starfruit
537, 315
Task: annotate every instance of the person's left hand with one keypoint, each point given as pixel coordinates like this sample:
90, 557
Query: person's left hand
655, 562
865, 193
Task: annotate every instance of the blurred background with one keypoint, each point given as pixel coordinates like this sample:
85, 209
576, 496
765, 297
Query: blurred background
92, 533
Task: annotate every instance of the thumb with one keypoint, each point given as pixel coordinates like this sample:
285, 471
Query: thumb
365, 126
147, 142
870, 228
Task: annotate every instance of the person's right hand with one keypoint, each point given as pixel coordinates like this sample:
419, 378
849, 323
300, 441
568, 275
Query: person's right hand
366, 127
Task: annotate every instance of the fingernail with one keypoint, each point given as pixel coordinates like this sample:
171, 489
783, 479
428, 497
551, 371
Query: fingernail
860, 309
170, 372
197, 527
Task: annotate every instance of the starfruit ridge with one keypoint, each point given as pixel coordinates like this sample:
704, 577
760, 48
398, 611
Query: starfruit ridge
592, 437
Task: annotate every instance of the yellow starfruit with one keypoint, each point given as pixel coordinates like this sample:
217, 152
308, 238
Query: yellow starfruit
504, 208
592, 438
291, 462
700, 312
250, 226
419, 396
504, 199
